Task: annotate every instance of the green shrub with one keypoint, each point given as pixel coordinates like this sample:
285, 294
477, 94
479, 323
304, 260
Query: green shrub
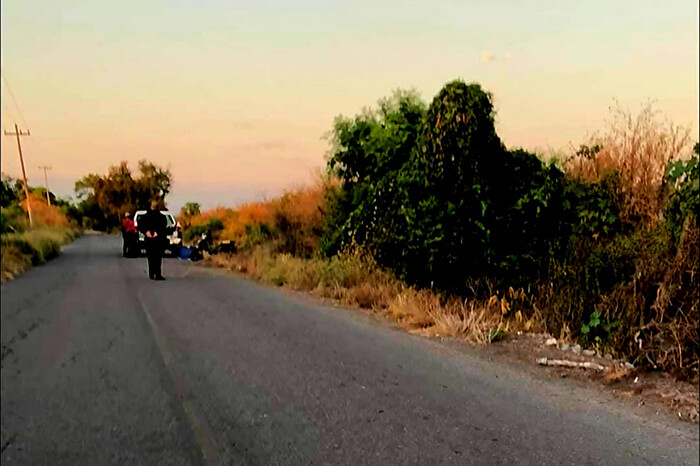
683, 181
210, 229
257, 234
12, 219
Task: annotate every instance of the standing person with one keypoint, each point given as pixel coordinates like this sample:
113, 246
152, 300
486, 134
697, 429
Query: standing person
153, 225
129, 235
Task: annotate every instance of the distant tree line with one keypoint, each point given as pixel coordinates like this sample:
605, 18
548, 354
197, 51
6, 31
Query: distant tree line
102, 200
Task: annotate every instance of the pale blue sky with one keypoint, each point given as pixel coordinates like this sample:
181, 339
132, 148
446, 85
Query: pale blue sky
235, 96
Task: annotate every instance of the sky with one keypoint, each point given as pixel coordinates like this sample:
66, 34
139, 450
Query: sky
236, 97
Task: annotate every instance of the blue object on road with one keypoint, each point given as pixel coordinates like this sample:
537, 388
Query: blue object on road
185, 252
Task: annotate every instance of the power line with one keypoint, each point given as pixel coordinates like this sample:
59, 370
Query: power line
14, 100
7, 110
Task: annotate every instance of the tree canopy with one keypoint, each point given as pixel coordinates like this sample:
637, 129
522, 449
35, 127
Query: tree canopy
106, 198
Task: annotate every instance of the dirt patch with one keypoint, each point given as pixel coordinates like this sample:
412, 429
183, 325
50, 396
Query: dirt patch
656, 390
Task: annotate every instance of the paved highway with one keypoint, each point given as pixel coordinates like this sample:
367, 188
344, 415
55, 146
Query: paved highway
102, 366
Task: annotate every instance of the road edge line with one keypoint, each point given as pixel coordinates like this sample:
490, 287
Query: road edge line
198, 426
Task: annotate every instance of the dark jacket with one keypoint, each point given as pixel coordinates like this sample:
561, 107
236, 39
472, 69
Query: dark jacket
154, 222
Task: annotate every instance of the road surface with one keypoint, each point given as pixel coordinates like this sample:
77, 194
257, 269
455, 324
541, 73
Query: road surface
102, 366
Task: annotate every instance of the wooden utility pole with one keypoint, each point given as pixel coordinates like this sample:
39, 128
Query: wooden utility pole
46, 183
19, 133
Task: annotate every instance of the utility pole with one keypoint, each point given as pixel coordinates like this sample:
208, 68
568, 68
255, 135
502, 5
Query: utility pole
19, 133
46, 183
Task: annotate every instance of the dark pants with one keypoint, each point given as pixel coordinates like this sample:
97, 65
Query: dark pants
154, 252
129, 243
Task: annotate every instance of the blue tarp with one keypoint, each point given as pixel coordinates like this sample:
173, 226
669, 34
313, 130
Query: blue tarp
190, 253
185, 252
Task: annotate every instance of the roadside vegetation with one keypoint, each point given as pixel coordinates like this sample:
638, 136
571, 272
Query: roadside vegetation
23, 247
102, 201
424, 215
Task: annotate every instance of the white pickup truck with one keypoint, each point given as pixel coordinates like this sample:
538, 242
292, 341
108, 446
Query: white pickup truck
172, 228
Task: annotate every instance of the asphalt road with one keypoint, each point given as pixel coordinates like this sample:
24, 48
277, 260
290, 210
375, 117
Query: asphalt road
102, 366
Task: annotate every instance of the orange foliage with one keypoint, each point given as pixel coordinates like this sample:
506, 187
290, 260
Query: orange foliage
306, 205
299, 217
44, 214
640, 147
295, 216
249, 214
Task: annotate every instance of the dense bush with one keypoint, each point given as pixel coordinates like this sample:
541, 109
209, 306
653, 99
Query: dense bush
371, 156
210, 229
12, 219
602, 247
436, 197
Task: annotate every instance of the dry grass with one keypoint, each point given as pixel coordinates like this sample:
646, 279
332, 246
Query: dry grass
416, 308
640, 148
354, 280
20, 251
44, 214
296, 217
615, 374
670, 340
14, 262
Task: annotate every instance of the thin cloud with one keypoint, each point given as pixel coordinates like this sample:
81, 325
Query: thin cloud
487, 57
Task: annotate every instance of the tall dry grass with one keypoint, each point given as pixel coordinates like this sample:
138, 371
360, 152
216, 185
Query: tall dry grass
657, 306
640, 148
44, 214
671, 339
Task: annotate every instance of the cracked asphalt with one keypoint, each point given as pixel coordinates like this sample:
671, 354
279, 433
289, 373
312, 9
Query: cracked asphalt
102, 366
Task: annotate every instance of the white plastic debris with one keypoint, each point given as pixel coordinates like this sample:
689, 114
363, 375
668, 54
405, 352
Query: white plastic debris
567, 363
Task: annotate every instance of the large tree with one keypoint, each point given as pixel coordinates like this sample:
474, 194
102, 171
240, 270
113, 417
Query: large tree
369, 154
106, 198
454, 167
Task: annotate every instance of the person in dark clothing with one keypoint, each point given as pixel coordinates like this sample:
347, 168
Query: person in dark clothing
153, 224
